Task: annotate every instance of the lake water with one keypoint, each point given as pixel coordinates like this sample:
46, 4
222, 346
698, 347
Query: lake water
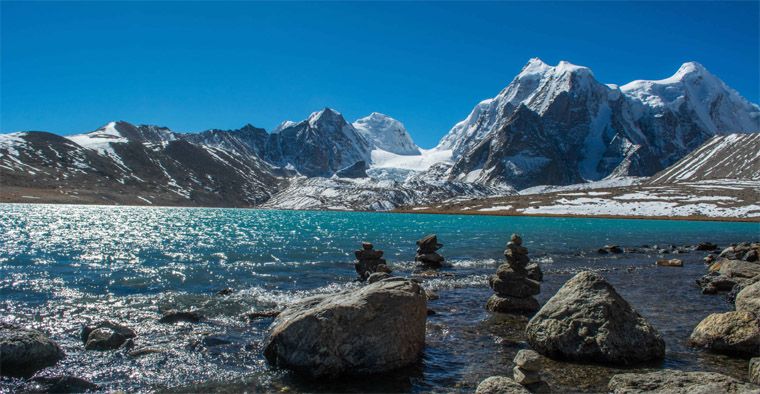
61, 266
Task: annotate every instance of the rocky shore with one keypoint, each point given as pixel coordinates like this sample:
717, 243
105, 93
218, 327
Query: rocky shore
380, 326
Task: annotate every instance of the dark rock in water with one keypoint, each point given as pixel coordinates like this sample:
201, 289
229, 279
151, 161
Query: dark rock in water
507, 304
587, 320
708, 246
24, 352
369, 261
429, 244
370, 330
356, 170
106, 335
430, 312
500, 385
225, 292
534, 272
754, 370
144, 351
677, 382
610, 249
378, 276
215, 340
262, 314
525, 377
733, 333
58, 384
431, 295
426, 251
514, 287
174, 316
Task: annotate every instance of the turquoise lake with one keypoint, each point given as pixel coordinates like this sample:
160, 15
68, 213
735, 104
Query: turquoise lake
62, 266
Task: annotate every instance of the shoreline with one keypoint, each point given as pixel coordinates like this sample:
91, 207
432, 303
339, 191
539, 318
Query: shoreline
421, 211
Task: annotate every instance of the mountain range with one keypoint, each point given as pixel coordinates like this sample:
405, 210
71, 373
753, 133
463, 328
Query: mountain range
552, 125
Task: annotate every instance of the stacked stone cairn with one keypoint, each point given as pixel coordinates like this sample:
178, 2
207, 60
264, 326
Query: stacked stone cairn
512, 282
426, 251
528, 365
369, 262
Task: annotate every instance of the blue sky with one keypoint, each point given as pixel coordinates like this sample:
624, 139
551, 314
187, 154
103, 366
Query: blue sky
71, 67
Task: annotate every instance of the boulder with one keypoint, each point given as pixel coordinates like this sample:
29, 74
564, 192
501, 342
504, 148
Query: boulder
734, 333
525, 377
500, 385
105, 335
739, 269
429, 244
174, 316
587, 320
534, 272
373, 329
677, 382
506, 304
24, 352
748, 299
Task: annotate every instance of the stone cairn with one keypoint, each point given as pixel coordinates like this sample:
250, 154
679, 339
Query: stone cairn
426, 251
515, 283
528, 365
370, 261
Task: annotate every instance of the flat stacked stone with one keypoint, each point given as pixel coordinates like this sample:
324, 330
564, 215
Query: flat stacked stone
514, 282
426, 251
369, 261
527, 371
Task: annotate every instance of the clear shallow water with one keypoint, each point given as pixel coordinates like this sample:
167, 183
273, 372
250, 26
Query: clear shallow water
61, 266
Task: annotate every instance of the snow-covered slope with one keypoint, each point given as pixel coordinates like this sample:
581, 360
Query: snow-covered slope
733, 156
387, 134
559, 125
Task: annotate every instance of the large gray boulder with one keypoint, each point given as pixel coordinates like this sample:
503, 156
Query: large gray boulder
373, 329
739, 269
24, 352
678, 382
500, 385
735, 333
587, 320
748, 299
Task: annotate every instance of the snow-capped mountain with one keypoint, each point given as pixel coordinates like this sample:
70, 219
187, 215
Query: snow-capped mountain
318, 146
387, 134
559, 125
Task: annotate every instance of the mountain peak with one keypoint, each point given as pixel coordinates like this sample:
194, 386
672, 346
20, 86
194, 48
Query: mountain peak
691, 68
386, 133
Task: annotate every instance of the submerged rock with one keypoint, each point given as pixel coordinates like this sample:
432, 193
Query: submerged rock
670, 263
500, 385
58, 384
106, 335
733, 333
174, 316
587, 320
24, 352
678, 382
370, 330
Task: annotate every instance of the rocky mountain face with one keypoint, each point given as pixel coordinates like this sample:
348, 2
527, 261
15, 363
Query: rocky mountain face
386, 133
559, 125
127, 164
734, 156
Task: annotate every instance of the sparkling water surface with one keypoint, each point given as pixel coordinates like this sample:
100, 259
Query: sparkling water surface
62, 266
